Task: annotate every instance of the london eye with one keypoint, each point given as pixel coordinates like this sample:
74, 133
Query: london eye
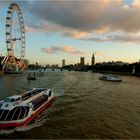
15, 39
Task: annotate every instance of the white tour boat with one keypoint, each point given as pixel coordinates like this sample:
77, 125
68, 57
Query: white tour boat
19, 110
111, 78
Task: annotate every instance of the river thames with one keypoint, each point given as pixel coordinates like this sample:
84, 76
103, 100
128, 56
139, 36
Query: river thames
85, 107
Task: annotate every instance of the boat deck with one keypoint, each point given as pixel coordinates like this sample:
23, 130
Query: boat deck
29, 94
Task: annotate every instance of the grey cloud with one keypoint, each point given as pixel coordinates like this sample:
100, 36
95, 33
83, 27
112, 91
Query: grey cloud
87, 15
116, 38
84, 17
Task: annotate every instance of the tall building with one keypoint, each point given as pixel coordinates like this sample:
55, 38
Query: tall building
63, 62
93, 60
82, 61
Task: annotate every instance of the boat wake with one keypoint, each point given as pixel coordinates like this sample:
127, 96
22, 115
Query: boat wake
7, 131
37, 122
61, 88
58, 92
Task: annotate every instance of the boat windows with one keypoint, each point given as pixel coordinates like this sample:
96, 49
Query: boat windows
39, 101
21, 115
12, 100
1, 105
27, 111
1, 112
18, 99
16, 113
26, 96
50, 92
4, 114
31, 93
8, 118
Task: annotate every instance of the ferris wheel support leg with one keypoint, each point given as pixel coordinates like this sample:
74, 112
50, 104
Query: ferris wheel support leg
5, 58
4, 63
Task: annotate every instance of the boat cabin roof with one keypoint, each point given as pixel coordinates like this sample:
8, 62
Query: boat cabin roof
13, 98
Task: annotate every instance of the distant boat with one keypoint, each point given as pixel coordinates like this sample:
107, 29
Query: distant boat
111, 78
31, 77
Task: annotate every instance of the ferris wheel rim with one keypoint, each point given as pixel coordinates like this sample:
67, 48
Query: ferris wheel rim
9, 38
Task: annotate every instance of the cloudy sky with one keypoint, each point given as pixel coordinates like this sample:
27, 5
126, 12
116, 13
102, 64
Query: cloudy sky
69, 29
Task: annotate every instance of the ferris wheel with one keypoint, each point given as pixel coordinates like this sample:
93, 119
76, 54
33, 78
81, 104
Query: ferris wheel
15, 32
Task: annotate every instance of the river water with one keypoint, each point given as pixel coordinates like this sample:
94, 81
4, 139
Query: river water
85, 107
